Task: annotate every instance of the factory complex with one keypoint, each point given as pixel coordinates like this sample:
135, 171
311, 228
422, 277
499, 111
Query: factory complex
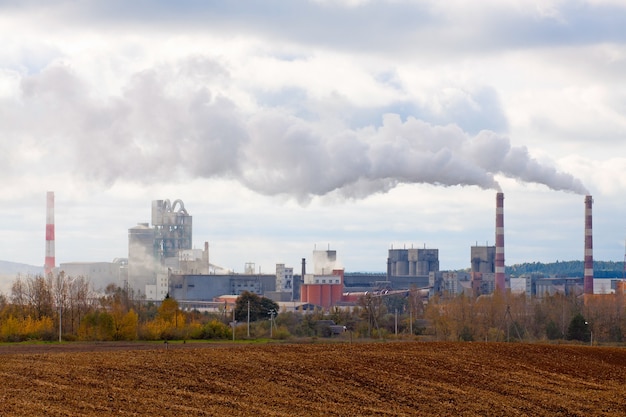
161, 261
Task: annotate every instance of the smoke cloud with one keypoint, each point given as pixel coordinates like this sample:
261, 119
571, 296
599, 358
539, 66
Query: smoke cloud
178, 121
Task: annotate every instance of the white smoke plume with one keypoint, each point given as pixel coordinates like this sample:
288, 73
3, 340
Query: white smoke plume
175, 122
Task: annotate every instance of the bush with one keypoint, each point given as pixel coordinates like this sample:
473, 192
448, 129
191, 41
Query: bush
96, 325
281, 333
14, 329
467, 334
215, 329
552, 331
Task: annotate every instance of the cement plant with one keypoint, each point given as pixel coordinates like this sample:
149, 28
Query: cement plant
162, 262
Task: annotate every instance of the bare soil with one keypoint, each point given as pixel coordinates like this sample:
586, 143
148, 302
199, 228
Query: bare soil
374, 379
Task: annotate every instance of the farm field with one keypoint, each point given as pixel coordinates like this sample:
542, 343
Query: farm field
373, 379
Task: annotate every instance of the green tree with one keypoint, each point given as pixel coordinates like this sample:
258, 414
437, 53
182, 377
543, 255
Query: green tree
259, 307
552, 331
96, 325
578, 329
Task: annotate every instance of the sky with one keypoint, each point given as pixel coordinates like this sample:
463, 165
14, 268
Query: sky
292, 125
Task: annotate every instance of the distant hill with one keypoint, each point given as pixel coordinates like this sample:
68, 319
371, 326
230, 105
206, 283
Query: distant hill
601, 269
12, 268
9, 270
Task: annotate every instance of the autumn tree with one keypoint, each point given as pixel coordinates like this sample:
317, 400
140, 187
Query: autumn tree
81, 299
4, 305
441, 324
115, 319
125, 324
169, 323
372, 310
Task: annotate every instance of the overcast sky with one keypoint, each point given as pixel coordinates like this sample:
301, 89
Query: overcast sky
289, 125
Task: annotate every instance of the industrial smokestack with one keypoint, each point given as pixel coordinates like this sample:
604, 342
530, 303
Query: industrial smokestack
50, 261
499, 261
303, 269
588, 277
205, 254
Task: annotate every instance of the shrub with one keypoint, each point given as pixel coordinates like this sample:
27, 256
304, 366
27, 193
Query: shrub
215, 329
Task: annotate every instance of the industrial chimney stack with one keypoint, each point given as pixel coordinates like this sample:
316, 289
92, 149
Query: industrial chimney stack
499, 261
588, 278
50, 261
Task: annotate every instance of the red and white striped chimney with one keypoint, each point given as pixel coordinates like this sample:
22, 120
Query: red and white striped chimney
50, 261
588, 277
499, 261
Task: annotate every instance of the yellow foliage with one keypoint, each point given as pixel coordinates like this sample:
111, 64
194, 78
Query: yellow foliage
153, 330
126, 328
15, 329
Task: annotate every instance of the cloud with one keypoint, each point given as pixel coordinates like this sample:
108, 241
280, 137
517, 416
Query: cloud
171, 123
382, 27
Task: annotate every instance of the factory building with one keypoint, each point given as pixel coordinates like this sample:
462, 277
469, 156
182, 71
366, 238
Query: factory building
408, 268
284, 285
192, 261
152, 251
161, 261
323, 288
412, 262
284, 278
538, 285
99, 274
207, 287
450, 283
172, 228
142, 263
483, 271
158, 290
366, 281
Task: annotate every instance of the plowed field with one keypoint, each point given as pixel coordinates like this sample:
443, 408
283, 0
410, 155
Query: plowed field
380, 379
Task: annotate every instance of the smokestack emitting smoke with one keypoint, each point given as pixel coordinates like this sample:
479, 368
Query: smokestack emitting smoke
256, 148
588, 277
499, 261
50, 261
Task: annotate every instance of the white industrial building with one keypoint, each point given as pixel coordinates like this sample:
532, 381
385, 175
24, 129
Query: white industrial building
99, 274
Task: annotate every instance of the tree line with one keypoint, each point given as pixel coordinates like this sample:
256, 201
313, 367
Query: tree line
44, 308
602, 269
59, 306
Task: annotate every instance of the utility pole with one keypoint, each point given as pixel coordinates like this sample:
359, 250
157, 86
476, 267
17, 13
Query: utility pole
271, 313
248, 319
60, 321
234, 323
